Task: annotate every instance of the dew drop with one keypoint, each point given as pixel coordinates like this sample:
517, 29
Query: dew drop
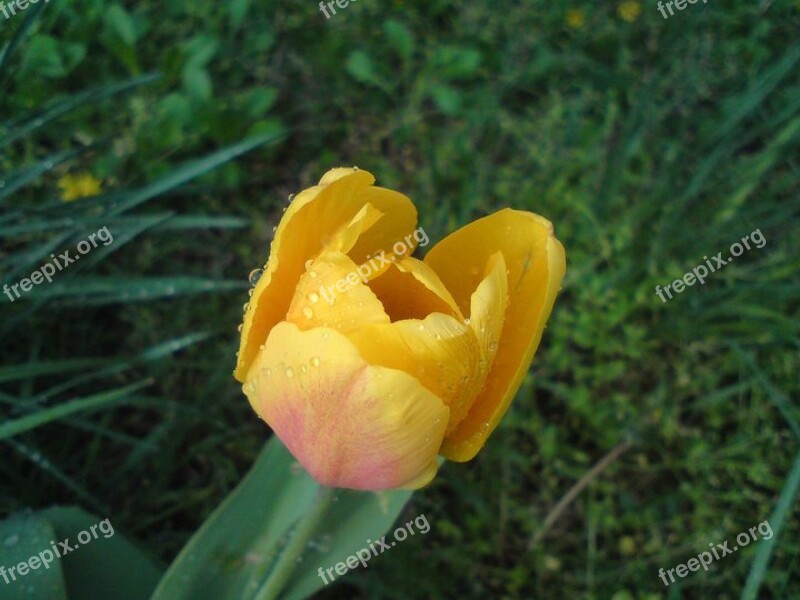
291, 197
304, 369
421, 327
315, 361
466, 321
274, 229
313, 274
245, 306
289, 372
250, 292
308, 313
239, 328
313, 297
268, 372
254, 276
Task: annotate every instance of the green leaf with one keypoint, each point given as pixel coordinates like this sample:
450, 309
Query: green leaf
453, 62
360, 66
120, 23
197, 83
783, 510
234, 553
238, 11
447, 99
109, 566
399, 38
90, 403
22, 537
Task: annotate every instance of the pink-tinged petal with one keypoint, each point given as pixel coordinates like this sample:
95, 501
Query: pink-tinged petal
350, 424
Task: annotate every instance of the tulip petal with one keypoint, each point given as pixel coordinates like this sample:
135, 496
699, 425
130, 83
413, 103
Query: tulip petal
410, 289
440, 352
536, 264
332, 294
312, 218
349, 423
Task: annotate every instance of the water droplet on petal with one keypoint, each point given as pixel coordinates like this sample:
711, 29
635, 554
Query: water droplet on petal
291, 197
313, 297
313, 274
254, 276
315, 361
239, 328
304, 369
421, 327
466, 321
289, 372
308, 313
268, 372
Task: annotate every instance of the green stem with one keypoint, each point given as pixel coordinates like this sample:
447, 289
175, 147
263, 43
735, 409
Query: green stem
287, 560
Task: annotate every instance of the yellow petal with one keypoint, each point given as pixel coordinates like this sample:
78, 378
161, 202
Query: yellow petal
332, 294
410, 289
349, 423
536, 264
314, 216
439, 351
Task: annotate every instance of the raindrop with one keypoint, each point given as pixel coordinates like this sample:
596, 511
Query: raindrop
438, 336
315, 361
250, 292
289, 372
268, 372
313, 274
255, 275
313, 297
291, 197
245, 306
239, 328
421, 327
466, 321
355, 168
304, 369
308, 313
274, 229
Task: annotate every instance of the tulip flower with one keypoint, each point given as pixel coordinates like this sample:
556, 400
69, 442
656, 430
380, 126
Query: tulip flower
368, 363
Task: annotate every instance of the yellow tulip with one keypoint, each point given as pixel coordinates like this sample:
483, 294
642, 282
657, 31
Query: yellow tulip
366, 362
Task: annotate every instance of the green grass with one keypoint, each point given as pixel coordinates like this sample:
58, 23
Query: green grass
648, 144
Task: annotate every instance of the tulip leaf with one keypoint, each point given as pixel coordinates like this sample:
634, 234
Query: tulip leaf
23, 536
106, 566
235, 554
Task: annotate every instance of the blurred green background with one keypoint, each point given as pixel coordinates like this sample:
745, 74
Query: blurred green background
649, 143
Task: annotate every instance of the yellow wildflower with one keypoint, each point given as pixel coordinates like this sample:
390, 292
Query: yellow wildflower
575, 18
629, 11
78, 186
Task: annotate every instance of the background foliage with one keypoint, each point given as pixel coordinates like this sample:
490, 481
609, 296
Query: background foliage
650, 143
